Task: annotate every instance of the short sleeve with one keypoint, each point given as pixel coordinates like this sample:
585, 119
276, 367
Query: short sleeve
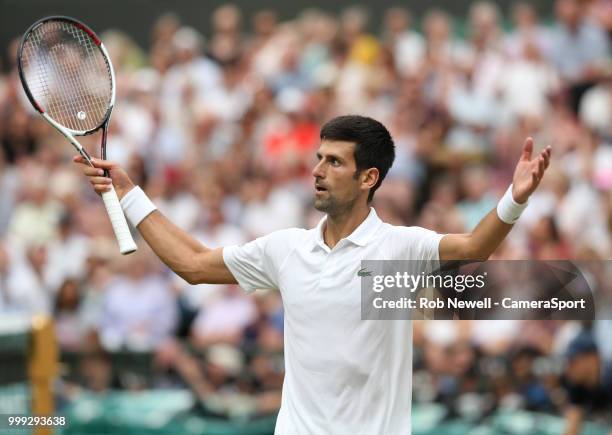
255, 265
416, 243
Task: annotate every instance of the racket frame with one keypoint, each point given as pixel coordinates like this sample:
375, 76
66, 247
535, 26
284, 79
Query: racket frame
102, 48
111, 201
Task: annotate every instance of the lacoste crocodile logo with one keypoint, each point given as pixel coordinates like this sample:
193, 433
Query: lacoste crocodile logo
363, 272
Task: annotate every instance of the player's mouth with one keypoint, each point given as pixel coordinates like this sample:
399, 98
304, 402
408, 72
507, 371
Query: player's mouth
319, 189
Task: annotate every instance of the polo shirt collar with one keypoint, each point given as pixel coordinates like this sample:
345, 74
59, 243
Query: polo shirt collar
360, 236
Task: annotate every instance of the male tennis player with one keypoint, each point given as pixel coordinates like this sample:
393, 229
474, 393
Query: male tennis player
343, 375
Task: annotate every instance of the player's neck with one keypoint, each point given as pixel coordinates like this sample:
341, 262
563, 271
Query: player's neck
337, 227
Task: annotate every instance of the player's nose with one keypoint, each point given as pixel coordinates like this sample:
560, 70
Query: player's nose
319, 170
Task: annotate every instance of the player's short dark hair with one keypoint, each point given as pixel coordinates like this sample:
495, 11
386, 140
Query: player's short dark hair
374, 146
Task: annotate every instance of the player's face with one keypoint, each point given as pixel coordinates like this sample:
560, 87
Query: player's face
336, 186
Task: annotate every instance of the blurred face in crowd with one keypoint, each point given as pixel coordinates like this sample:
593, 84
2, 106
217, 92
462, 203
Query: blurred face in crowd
68, 295
338, 184
462, 356
524, 15
476, 182
396, 20
353, 22
584, 369
226, 19
568, 11
264, 23
484, 20
161, 58
437, 26
165, 27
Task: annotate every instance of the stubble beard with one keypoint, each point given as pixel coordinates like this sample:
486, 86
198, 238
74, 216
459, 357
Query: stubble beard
325, 205
332, 207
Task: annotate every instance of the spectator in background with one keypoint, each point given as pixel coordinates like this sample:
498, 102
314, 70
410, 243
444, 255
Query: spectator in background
176, 199
69, 325
231, 99
319, 31
596, 109
35, 218
214, 230
5, 297
226, 42
546, 242
98, 274
579, 48
528, 82
295, 135
16, 136
528, 32
224, 318
363, 47
261, 200
186, 83
124, 52
164, 29
27, 290
526, 382
471, 97
266, 44
9, 188
478, 199
407, 45
440, 39
486, 41
362, 50
67, 252
587, 381
139, 308
580, 211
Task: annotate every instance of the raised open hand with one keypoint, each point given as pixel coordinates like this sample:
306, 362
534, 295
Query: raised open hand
529, 172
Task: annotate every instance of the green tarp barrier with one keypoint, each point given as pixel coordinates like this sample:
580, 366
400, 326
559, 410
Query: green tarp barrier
168, 412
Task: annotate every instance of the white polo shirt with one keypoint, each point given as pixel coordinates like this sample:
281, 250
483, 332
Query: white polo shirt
343, 375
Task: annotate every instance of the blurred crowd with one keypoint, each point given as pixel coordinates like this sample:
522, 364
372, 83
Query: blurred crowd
221, 131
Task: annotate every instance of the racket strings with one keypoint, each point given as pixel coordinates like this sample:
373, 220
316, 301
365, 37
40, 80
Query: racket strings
72, 69
68, 104
68, 75
95, 99
81, 71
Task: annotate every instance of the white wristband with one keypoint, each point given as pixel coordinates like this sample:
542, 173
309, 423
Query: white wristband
508, 209
136, 205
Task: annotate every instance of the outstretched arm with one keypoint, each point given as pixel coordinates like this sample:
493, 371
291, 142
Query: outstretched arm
491, 230
187, 257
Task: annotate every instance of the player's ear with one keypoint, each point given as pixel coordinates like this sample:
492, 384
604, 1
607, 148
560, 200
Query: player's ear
369, 177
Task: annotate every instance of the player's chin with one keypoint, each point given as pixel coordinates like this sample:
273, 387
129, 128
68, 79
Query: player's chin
321, 204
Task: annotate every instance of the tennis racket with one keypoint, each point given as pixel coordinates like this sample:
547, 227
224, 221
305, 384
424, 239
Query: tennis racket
68, 77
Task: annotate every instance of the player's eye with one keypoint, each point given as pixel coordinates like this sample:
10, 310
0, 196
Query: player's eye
334, 161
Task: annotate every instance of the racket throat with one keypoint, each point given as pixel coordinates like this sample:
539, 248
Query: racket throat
85, 155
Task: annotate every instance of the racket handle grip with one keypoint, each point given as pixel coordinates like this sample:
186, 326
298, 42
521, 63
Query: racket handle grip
120, 226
